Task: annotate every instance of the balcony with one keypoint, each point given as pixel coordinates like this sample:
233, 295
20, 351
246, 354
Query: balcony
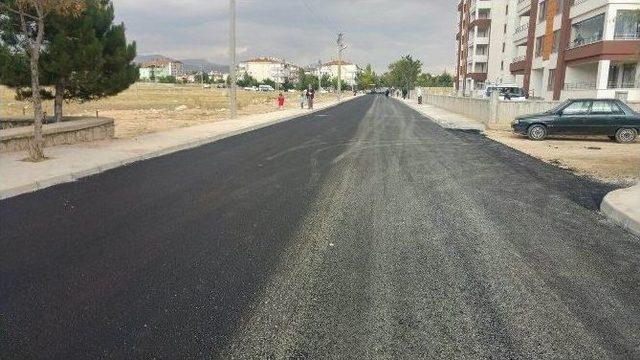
518, 65
524, 7
521, 33
595, 50
481, 23
478, 76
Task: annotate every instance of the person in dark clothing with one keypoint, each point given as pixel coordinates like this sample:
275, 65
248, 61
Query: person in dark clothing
311, 93
386, 93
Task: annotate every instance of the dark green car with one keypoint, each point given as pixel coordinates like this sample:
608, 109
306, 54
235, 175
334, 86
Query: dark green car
609, 117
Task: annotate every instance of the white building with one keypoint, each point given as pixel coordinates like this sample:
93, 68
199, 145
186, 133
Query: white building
484, 43
263, 68
578, 48
160, 68
349, 71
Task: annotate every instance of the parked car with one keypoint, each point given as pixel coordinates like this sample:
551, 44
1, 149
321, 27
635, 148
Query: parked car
266, 88
609, 117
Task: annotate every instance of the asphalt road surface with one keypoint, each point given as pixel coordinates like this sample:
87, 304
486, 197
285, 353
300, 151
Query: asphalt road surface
361, 232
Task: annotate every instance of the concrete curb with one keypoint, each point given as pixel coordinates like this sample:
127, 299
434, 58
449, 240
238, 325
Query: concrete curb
74, 176
623, 207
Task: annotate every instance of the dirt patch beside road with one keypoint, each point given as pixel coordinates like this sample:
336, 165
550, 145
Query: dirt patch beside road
599, 158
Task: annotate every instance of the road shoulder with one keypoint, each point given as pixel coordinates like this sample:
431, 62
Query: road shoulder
72, 162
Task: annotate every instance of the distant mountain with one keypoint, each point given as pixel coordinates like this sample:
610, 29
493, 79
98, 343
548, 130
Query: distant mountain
197, 64
140, 59
189, 65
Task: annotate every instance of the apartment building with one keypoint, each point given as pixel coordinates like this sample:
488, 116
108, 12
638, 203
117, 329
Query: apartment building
348, 71
161, 67
484, 44
263, 68
577, 48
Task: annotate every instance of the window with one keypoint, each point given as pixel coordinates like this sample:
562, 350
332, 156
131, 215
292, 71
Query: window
542, 11
577, 108
602, 107
556, 41
614, 70
587, 31
502, 65
539, 42
503, 47
560, 4
552, 79
628, 75
627, 24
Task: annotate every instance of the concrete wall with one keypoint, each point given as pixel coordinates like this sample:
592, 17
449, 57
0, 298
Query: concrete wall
493, 113
65, 133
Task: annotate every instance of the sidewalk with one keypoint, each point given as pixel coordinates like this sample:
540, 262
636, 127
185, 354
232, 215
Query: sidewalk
623, 207
444, 118
71, 162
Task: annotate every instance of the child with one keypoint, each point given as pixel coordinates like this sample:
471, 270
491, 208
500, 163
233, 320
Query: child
281, 101
303, 98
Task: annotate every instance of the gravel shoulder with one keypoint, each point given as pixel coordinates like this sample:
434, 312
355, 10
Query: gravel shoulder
598, 158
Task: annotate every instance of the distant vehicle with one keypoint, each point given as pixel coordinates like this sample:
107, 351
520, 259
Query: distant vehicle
507, 92
610, 117
251, 88
206, 86
266, 88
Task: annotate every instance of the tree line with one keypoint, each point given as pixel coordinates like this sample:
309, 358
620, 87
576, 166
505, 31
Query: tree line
64, 50
404, 73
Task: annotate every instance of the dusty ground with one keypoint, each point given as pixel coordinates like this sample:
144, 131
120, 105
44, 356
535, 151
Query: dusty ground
599, 158
146, 108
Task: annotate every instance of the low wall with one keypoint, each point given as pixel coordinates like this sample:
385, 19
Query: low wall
493, 113
64, 133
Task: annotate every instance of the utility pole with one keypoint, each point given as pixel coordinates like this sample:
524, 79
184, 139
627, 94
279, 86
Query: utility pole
341, 48
319, 75
232, 57
202, 76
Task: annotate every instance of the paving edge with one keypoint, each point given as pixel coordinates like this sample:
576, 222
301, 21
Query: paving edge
74, 176
443, 123
616, 212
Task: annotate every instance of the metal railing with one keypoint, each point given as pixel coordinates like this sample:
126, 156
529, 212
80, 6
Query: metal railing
521, 28
585, 41
580, 86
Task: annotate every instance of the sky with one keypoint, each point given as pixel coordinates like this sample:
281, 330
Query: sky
300, 31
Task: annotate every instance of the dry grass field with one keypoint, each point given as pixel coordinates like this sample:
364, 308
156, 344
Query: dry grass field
145, 108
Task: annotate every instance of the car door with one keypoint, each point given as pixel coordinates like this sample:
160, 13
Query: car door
602, 117
571, 120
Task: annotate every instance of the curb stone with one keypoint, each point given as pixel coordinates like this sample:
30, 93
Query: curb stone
623, 207
73, 176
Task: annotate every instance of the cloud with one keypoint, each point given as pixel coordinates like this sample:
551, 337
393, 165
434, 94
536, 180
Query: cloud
301, 31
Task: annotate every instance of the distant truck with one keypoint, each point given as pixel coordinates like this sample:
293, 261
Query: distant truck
507, 92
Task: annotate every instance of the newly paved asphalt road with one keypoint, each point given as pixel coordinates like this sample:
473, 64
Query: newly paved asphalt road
361, 232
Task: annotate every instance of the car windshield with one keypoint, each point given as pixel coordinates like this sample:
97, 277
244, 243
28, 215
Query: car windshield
558, 108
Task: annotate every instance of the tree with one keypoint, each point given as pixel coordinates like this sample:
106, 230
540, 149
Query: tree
24, 31
325, 81
167, 79
88, 58
334, 83
269, 82
404, 72
247, 81
367, 79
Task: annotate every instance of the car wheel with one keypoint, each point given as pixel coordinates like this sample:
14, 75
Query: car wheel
537, 132
626, 135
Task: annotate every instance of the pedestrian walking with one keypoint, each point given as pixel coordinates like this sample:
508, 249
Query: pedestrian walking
311, 93
419, 93
303, 99
281, 101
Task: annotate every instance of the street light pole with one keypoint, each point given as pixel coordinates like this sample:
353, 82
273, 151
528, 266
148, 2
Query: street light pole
232, 57
319, 74
341, 48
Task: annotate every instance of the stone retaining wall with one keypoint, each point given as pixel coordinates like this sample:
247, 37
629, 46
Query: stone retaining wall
64, 133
